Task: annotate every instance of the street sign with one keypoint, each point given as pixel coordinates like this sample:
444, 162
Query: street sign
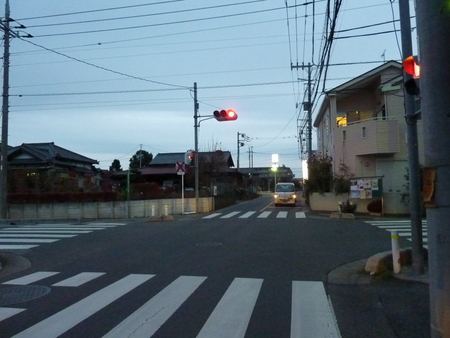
180, 168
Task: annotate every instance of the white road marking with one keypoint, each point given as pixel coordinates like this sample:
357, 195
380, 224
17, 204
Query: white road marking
8, 312
264, 214
34, 277
79, 279
247, 214
231, 214
232, 314
311, 313
34, 236
16, 247
282, 214
145, 321
213, 215
64, 320
300, 214
27, 240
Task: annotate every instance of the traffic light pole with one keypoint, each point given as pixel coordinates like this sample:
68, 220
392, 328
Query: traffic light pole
413, 147
433, 29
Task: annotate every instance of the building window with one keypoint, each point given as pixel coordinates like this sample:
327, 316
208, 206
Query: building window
363, 132
341, 121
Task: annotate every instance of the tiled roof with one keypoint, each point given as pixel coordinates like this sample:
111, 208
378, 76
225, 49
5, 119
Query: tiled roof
167, 159
50, 152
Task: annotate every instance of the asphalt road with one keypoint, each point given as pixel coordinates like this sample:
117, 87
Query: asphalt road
234, 272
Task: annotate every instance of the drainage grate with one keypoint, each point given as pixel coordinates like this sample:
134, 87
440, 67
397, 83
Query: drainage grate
23, 293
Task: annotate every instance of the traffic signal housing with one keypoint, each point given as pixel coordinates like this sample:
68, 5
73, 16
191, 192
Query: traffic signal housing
225, 115
188, 156
411, 67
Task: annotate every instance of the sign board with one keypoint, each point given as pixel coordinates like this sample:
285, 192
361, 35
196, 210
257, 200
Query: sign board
366, 188
180, 168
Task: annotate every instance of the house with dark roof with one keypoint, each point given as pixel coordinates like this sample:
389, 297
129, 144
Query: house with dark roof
39, 167
214, 167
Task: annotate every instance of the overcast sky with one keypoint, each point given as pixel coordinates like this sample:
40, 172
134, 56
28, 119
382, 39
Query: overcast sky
103, 78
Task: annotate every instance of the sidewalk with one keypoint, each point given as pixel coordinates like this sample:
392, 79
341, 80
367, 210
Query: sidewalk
354, 273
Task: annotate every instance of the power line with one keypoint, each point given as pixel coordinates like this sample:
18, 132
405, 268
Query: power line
161, 24
144, 15
104, 68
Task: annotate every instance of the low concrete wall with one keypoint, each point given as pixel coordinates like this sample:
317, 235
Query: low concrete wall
329, 202
108, 210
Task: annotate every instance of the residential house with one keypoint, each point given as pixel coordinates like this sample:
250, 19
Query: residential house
43, 167
361, 125
214, 168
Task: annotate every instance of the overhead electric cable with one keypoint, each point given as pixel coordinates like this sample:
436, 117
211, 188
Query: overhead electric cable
104, 68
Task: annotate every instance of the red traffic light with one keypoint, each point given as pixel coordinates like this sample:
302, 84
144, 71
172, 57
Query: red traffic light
188, 156
225, 115
411, 67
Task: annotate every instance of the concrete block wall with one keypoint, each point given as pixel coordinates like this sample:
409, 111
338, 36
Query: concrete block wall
107, 210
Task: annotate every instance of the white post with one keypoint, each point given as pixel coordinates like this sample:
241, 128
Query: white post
166, 210
182, 194
153, 210
395, 252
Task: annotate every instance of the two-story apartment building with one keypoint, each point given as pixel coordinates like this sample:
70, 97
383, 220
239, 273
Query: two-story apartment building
361, 125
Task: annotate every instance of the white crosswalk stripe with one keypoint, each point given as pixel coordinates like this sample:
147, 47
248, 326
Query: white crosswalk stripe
8, 312
26, 237
311, 310
261, 215
232, 314
79, 279
149, 317
403, 228
64, 320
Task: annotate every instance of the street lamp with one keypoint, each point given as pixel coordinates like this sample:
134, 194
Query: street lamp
274, 168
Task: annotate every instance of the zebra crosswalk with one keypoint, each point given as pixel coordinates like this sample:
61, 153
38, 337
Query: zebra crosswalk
310, 308
403, 228
26, 237
255, 214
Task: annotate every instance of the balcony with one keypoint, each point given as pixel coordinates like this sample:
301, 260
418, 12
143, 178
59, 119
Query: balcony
375, 136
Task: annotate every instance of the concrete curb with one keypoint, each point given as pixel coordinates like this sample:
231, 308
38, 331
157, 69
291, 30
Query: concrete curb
163, 218
350, 274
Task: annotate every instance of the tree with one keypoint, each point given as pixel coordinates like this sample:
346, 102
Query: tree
141, 159
115, 166
320, 174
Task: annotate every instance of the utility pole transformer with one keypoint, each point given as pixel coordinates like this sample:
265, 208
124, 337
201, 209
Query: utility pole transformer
433, 29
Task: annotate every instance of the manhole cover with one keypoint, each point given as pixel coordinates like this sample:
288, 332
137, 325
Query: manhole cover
20, 294
210, 244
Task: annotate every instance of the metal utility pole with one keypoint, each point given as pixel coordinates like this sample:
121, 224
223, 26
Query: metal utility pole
5, 111
433, 29
413, 147
307, 106
239, 145
196, 126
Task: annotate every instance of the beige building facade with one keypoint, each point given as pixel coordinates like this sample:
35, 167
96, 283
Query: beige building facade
361, 125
